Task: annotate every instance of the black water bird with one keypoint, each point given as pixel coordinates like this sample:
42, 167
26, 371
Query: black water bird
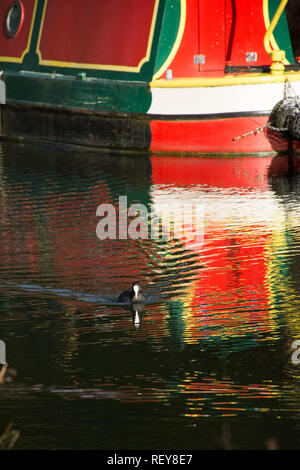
133, 295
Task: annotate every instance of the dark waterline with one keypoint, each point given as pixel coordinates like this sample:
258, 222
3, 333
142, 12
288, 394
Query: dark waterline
209, 366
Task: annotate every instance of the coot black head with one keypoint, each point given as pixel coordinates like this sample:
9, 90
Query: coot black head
133, 295
136, 290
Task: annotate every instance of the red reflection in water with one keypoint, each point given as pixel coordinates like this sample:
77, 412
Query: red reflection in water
237, 172
232, 294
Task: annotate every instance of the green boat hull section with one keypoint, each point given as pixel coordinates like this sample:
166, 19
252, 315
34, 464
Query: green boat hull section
100, 90
93, 94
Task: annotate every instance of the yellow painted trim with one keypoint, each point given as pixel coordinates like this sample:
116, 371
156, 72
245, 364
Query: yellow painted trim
20, 59
119, 68
177, 42
272, 39
227, 80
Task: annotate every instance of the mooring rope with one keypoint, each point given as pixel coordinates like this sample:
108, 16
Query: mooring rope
284, 117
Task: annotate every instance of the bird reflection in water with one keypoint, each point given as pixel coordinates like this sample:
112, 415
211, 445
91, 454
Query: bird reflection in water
137, 309
137, 313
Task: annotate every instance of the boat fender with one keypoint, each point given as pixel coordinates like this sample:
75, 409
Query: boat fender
285, 117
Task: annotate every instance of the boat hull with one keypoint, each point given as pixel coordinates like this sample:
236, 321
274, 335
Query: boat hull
114, 131
230, 133
213, 134
146, 75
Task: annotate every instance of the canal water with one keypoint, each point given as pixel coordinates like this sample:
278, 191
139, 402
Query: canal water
210, 362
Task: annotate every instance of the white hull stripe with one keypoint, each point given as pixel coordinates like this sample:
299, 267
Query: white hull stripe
217, 100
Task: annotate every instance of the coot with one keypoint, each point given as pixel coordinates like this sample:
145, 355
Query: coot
133, 295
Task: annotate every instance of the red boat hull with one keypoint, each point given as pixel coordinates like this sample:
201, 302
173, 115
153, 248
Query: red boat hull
234, 135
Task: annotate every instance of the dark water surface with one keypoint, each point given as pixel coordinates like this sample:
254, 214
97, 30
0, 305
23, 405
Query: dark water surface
209, 366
